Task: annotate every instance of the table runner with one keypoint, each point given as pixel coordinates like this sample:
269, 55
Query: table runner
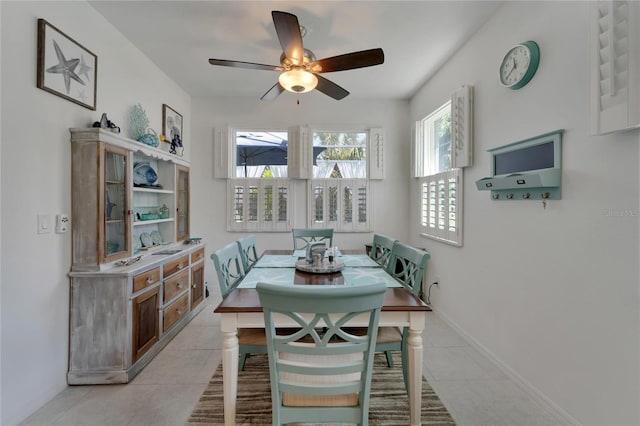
287, 261
285, 276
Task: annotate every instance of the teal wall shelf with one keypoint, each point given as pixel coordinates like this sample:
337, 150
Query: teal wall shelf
526, 170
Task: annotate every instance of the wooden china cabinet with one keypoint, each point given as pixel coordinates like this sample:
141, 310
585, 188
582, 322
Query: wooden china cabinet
136, 278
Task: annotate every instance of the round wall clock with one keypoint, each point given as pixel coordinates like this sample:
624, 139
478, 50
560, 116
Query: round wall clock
519, 65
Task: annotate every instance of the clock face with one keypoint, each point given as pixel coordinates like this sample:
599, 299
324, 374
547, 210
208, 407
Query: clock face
519, 65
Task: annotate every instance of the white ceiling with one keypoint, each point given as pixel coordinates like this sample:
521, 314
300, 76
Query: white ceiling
180, 36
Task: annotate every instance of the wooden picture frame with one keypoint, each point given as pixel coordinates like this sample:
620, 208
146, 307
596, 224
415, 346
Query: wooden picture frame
172, 126
65, 67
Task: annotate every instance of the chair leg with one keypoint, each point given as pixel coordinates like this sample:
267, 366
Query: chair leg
389, 358
243, 360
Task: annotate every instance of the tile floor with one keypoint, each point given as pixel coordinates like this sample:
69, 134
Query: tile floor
164, 393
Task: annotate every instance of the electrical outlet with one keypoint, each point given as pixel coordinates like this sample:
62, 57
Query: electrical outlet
62, 223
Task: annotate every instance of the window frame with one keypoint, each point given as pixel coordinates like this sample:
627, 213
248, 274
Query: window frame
440, 218
362, 186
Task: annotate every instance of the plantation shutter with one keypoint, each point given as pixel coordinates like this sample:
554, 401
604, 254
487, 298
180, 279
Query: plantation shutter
462, 127
341, 204
441, 206
375, 153
259, 205
224, 154
615, 66
299, 153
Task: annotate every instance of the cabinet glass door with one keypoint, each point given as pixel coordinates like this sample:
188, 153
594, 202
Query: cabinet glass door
116, 220
182, 209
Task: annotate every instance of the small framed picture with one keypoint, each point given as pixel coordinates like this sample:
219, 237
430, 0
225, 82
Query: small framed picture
172, 129
65, 67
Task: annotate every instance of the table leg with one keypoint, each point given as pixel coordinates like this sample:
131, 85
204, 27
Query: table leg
414, 361
230, 375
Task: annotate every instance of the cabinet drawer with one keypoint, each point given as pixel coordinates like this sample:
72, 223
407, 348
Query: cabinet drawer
175, 311
197, 255
177, 265
145, 279
176, 284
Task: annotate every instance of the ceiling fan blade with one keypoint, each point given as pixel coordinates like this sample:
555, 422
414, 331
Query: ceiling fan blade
348, 61
288, 30
247, 65
272, 93
329, 88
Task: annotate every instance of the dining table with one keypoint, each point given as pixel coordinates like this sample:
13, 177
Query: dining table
241, 309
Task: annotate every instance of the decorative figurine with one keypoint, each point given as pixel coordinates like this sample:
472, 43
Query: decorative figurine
106, 124
175, 142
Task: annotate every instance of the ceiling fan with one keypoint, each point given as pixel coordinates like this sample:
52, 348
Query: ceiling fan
300, 71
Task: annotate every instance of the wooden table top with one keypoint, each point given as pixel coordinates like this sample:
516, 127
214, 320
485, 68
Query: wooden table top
246, 299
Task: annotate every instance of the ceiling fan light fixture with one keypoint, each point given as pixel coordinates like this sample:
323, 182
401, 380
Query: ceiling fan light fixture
297, 80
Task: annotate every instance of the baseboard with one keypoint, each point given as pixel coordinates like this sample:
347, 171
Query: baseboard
31, 406
556, 411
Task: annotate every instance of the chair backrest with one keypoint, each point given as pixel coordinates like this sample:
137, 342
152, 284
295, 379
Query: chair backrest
381, 249
303, 236
319, 372
228, 263
248, 251
407, 264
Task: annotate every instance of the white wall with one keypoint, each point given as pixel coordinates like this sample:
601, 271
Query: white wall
36, 173
551, 293
390, 196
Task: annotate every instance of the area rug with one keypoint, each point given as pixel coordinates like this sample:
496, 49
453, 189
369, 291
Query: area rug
389, 402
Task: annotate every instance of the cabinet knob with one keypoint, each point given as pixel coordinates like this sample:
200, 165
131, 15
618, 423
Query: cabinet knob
180, 265
179, 285
149, 279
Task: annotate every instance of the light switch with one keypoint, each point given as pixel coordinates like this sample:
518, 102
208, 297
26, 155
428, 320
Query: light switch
44, 224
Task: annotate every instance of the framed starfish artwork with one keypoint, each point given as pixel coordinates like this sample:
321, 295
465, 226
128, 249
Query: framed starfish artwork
66, 68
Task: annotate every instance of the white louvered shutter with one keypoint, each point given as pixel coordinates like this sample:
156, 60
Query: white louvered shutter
615, 66
441, 206
376, 154
462, 127
259, 205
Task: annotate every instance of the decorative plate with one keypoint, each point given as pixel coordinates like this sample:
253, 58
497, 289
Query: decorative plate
145, 238
156, 238
143, 174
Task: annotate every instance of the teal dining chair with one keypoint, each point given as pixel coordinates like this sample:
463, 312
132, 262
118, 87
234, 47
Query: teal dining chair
302, 237
326, 376
248, 251
381, 249
407, 265
228, 263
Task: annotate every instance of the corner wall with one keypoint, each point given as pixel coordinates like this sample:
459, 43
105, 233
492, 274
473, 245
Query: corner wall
35, 178
551, 294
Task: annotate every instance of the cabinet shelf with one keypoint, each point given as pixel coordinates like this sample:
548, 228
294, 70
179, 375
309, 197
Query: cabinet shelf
152, 221
153, 191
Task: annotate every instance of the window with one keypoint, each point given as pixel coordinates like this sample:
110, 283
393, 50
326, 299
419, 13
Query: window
339, 190
261, 154
259, 193
436, 137
439, 181
261, 167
